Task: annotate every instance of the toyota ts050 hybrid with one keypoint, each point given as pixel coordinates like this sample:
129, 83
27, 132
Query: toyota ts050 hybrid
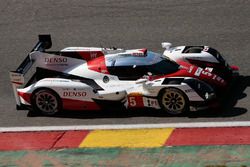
91, 78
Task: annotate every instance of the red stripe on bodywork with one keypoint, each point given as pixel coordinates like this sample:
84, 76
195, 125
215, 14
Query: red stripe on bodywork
70, 104
204, 75
98, 65
188, 70
144, 50
25, 96
89, 55
209, 136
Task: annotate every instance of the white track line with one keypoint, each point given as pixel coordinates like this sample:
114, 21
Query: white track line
127, 126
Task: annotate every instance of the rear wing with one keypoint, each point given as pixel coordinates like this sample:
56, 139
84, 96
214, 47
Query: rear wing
17, 76
43, 43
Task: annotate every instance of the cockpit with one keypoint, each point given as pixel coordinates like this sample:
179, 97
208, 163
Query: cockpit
134, 66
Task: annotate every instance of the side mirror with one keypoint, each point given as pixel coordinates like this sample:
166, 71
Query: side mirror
166, 45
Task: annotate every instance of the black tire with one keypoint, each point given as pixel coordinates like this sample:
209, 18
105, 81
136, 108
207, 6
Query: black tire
46, 102
173, 101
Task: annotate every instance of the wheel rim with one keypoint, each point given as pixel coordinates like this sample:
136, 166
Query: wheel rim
46, 102
173, 101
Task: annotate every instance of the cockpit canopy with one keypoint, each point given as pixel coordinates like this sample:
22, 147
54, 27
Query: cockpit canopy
134, 66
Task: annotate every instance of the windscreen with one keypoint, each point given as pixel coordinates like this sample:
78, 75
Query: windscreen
135, 66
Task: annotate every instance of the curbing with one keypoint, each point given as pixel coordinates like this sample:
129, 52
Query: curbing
128, 138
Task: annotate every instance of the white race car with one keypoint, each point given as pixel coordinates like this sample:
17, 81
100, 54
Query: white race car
89, 78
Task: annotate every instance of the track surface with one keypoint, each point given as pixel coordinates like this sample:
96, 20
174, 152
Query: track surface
221, 24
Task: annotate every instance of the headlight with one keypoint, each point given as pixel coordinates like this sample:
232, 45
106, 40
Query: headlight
203, 89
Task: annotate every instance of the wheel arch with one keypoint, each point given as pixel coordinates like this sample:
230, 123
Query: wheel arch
32, 100
172, 87
42, 88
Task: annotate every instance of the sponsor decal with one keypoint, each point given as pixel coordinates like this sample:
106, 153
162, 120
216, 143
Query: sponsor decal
74, 94
104, 71
210, 69
219, 79
56, 61
198, 71
16, 78
191, 69
207, 73
93, 55
55, 80
152, 102
105, 79
138, 54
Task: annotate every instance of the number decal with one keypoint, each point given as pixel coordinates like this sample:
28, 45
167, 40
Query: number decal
135, 101
207, 73
132, 101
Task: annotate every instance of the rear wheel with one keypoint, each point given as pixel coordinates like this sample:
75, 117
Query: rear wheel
173, 101
46, 102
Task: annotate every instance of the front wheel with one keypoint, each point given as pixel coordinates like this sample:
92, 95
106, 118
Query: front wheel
173, 101
46, 102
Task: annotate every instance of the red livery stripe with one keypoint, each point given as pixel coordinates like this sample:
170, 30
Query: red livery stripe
70, 104
25, 96
89, 55
98, 65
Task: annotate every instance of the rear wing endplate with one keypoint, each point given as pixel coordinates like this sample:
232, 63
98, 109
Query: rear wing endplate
17, 76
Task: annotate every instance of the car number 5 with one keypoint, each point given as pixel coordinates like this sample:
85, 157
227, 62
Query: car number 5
132, 101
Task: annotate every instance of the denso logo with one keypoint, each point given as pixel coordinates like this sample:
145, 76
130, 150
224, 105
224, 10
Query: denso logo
56, 60
74, 94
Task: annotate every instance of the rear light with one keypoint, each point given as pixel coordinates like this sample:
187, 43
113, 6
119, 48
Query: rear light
235, 68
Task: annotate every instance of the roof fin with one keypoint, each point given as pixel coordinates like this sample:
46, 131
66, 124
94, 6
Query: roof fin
166, 45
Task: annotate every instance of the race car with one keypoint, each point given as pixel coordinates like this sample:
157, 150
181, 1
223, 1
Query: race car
92, 78
205, 57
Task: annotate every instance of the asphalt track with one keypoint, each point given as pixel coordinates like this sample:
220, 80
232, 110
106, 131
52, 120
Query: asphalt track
222, 24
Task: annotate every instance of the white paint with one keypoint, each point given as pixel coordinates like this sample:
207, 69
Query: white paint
127, 126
